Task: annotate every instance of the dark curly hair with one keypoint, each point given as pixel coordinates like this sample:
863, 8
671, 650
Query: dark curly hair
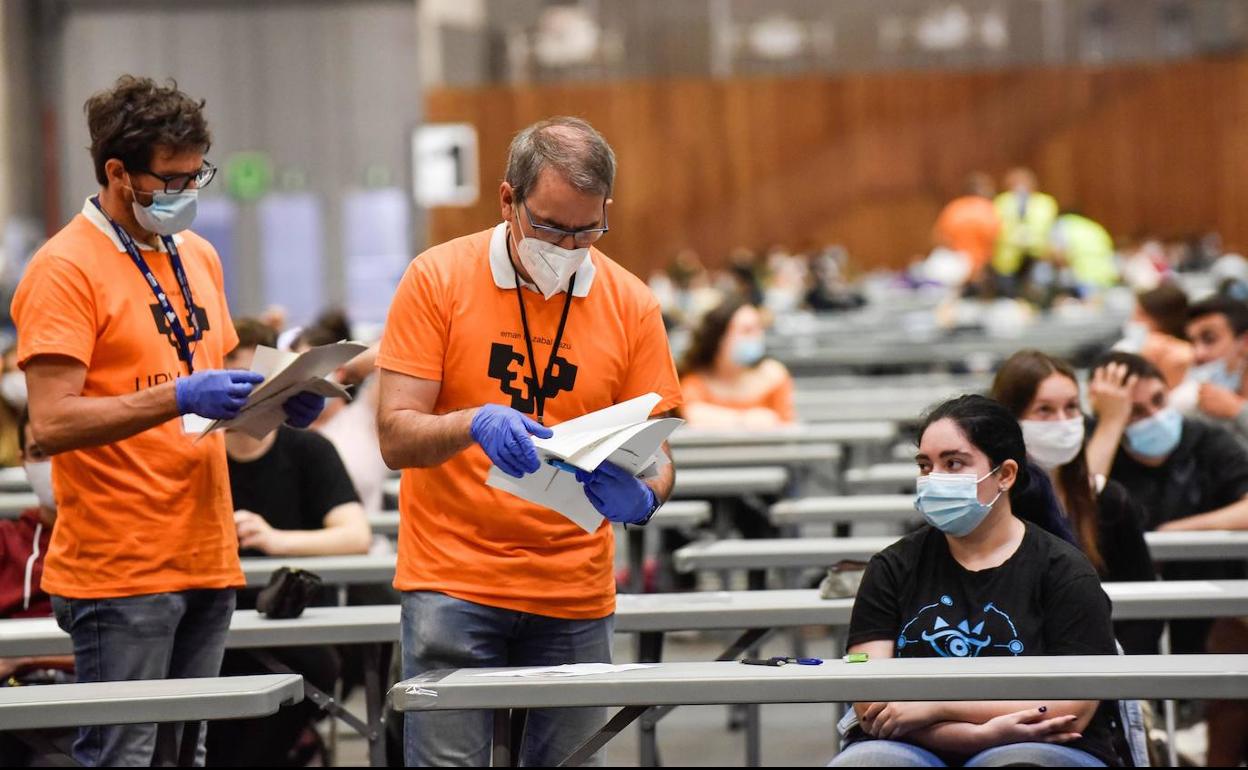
137, 115
707, 337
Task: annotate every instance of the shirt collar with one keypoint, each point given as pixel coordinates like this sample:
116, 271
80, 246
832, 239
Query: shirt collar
97, 218
505, 274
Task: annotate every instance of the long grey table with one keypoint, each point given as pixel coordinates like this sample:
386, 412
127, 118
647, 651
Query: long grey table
804, 454
13, 503
1099, 677
892, 476
846, 433
842, 509
825, 551
155, 700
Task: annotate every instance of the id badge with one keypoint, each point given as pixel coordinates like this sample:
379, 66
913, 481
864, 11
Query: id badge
193, 424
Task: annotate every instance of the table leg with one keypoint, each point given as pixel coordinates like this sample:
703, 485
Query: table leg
623, 718
375, 702
636, 559
753, 735
649, 650
502, 738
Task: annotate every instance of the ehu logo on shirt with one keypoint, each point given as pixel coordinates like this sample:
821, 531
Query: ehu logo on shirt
511, 370
950, 637
194, 332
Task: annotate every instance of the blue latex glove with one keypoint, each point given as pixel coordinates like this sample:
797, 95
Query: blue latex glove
217, 394
504, 435
617, 494
302, 409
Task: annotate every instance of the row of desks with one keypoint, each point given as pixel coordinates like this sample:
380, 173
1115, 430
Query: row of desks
645, 613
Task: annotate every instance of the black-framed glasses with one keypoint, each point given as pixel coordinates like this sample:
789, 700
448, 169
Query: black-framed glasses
176, 183
586, 236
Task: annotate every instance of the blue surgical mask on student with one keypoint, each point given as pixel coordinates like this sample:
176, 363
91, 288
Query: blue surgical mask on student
950, 501
168, 213
1219, 374
748, 351
1156, 436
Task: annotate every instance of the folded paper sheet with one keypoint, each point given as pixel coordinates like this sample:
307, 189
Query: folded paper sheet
287, 374
622, 434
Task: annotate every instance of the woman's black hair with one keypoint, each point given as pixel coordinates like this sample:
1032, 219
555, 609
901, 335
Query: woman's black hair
708, 336
995, 432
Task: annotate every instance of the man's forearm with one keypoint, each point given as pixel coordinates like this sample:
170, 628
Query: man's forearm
1233, 516
1103, 446
662, 484
412, 439
77, 422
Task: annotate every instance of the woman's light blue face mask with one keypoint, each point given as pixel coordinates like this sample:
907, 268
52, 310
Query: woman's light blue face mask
950, 501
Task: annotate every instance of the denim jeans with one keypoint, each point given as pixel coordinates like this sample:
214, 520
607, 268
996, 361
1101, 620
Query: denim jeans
443, 632
884, 753
154, 636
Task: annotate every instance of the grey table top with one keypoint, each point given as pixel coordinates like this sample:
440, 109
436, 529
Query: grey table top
637, 613
824, 551
1100, 677
13, 503
157, 700
849, 433
851, 509
806, 454
730, 482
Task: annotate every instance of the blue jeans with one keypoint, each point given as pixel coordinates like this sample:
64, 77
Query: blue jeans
442, 632
155, 636
885, 753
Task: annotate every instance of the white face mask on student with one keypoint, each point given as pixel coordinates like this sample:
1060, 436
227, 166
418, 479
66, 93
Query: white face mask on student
1052, 443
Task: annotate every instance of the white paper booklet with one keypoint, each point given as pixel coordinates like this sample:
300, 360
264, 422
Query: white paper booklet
623, 434
287, 374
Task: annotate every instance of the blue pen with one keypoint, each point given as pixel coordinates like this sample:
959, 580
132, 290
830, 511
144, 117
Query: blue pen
561, 465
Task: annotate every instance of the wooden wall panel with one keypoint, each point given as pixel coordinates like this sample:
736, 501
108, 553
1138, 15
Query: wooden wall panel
868, 160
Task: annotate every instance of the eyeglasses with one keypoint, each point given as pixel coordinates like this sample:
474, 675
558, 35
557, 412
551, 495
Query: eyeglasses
583, 237
176, 183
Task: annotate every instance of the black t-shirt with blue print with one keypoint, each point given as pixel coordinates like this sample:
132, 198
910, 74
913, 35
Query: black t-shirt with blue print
1046, 599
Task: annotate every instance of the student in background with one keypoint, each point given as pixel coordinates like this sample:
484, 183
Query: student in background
1185, 474
979, 581
1042, 393
292, 497
1218, 330
1156, 331
726, 378
969, 224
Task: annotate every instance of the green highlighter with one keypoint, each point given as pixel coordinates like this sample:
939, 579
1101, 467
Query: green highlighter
857, 657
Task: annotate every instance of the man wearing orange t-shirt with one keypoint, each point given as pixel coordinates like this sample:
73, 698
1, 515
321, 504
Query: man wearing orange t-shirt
970, 225
490, 338
122, 329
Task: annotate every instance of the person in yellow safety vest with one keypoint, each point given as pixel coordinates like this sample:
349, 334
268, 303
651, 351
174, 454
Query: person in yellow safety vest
1027, 216
1086, 248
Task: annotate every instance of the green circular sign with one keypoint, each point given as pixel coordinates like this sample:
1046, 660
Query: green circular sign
248, 175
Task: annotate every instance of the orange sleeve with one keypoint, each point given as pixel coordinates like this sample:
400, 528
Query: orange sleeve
415, 338
54, 311
650, 366
229, 335
780, 400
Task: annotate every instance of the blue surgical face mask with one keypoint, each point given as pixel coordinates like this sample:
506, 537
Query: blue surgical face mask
748, 351
1219, 374
1157, 436
168, 213
950, 501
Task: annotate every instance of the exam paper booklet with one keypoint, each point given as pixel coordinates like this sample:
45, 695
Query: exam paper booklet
622, 434
287, 374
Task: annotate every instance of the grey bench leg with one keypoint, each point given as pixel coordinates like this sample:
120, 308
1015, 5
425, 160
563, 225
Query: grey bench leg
502, 739
649, 650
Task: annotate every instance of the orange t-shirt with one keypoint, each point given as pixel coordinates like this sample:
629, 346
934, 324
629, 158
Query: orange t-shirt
455, 319
970, 224
778, 398
151, 513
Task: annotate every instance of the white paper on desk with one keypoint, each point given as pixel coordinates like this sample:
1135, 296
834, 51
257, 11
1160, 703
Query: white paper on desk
567, 670
622, 434
287, 374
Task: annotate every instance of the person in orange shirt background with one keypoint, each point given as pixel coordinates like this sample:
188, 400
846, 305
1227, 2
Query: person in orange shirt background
490, 338
970, 225
122, 330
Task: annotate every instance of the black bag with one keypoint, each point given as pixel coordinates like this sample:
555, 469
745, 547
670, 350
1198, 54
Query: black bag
289, 591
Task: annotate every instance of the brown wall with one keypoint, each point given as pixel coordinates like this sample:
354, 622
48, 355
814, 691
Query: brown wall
868, 160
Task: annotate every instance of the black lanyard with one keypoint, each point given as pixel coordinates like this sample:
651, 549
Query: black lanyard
185, 352
539, 398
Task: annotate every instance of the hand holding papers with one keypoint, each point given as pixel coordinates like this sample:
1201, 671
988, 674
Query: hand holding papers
621, 434
286, 375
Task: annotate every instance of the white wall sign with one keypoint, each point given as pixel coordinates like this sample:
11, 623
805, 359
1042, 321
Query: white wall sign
444, 164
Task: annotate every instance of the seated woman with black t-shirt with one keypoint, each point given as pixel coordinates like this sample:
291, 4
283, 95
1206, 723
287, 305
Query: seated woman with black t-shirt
1042, 393
980, 580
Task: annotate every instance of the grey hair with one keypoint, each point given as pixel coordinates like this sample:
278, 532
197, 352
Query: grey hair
568, 145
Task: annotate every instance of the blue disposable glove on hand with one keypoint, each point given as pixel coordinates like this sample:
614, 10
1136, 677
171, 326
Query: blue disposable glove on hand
217, 394
504, 435
302, 409
617, 494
